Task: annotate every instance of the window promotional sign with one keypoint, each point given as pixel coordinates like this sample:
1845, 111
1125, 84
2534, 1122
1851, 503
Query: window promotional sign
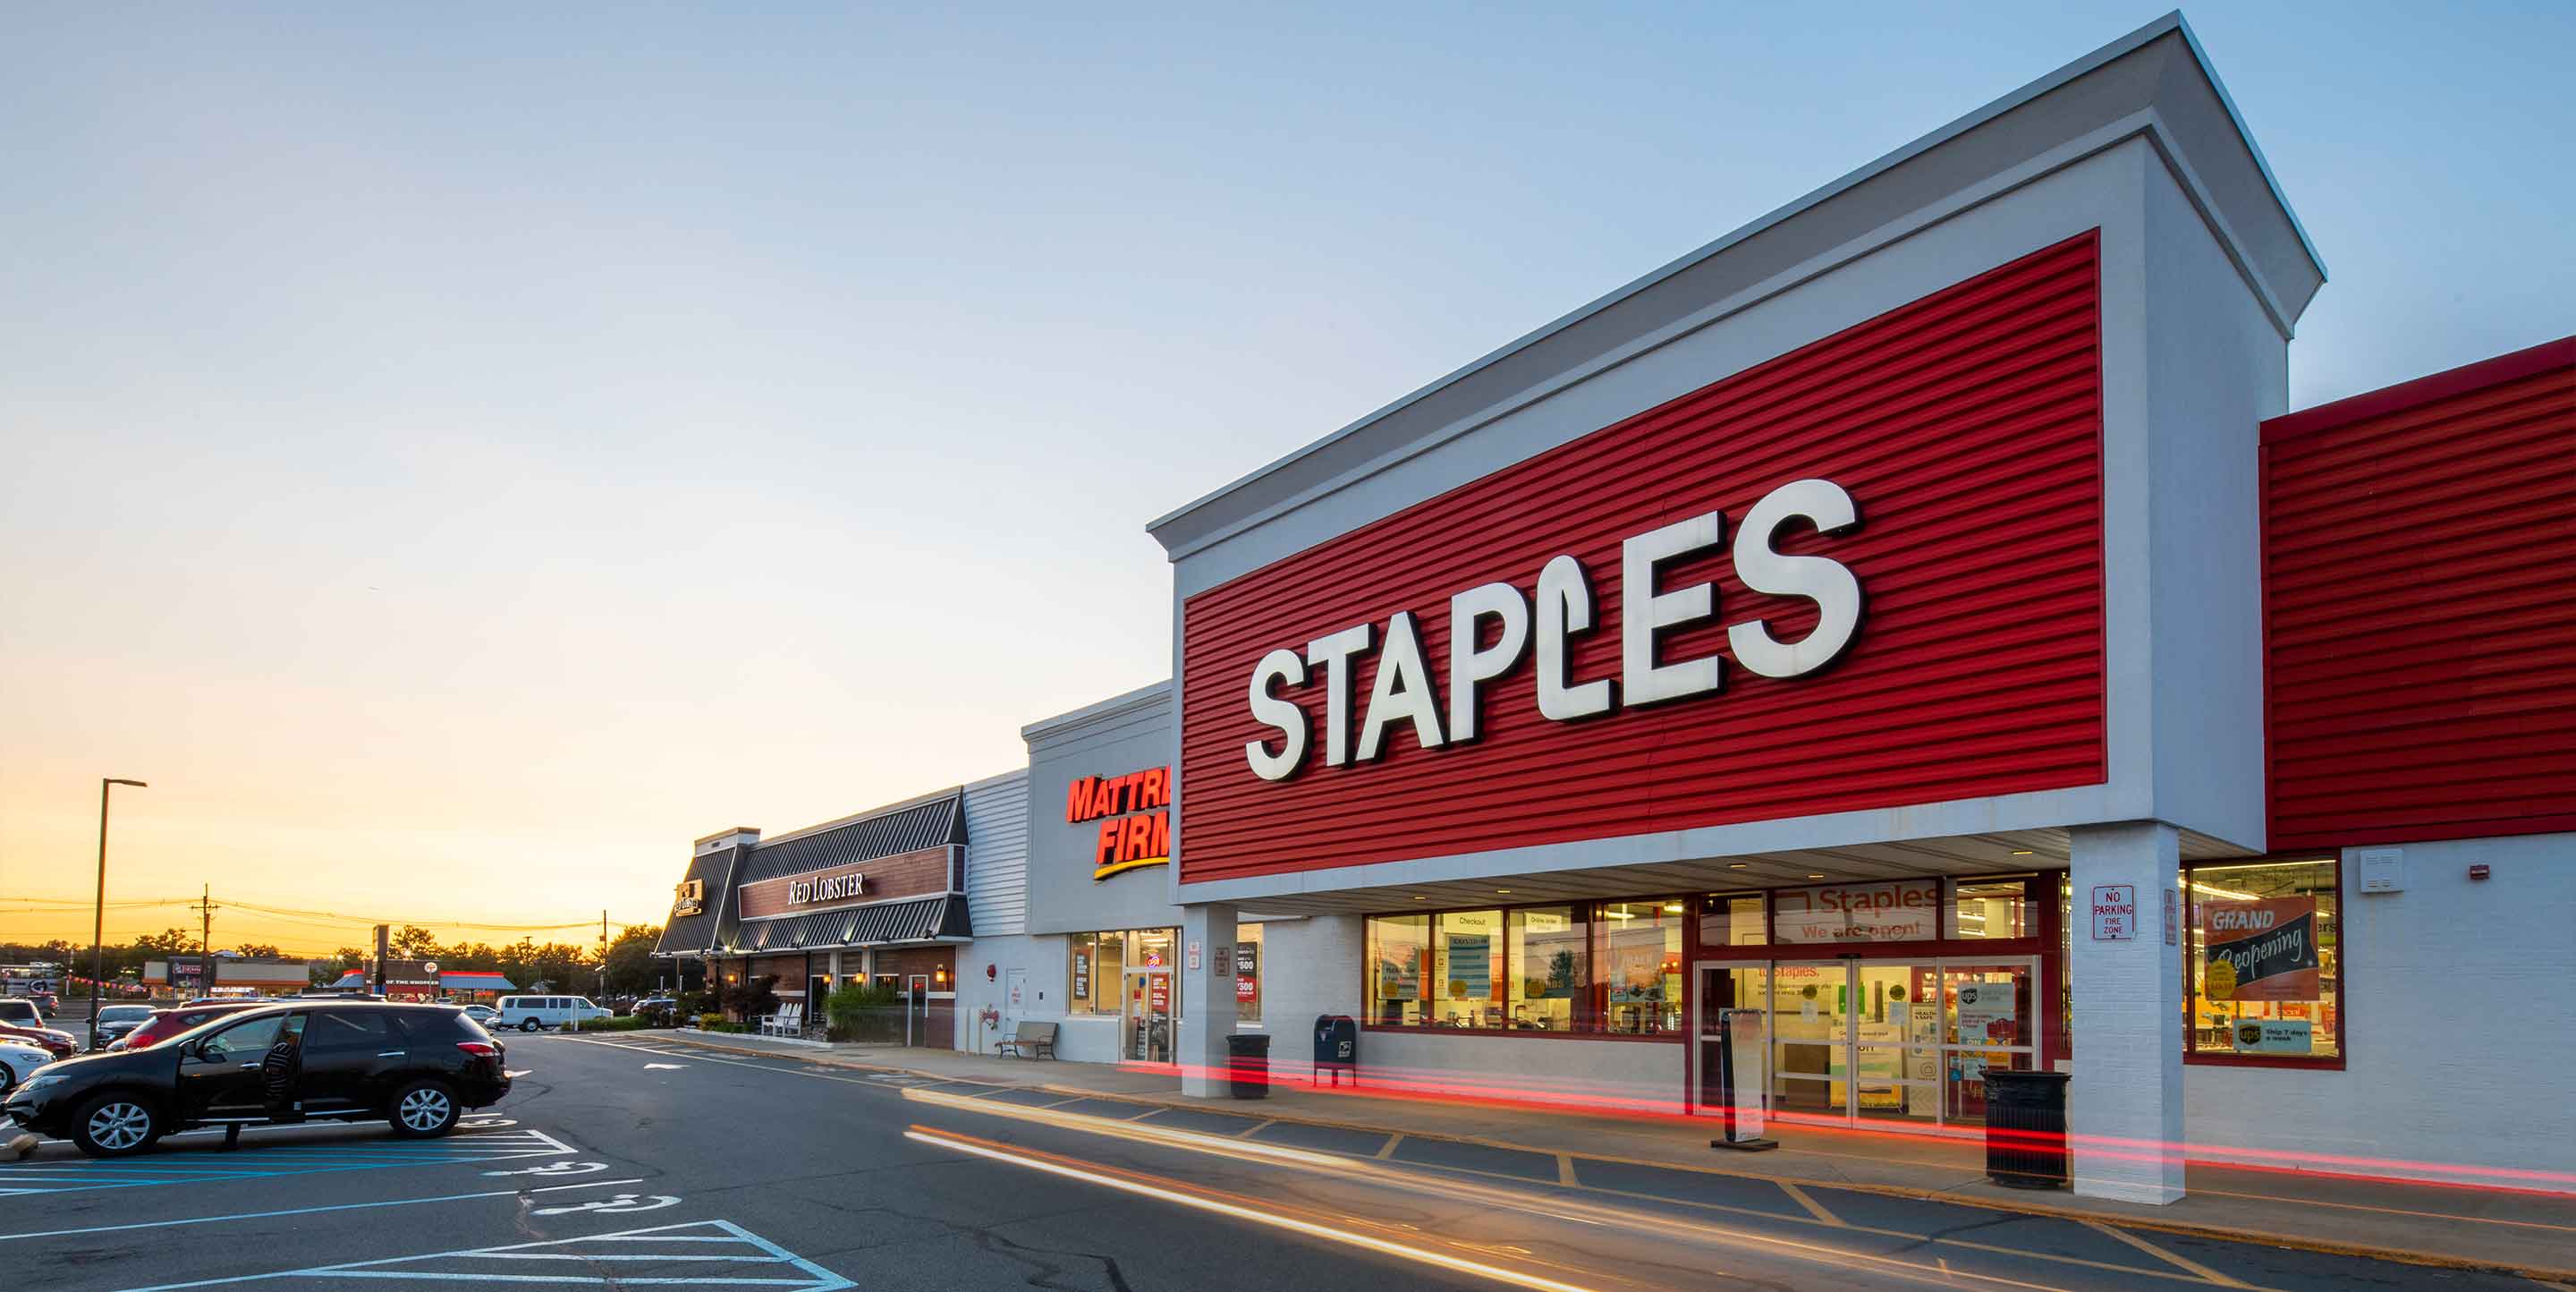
2268, 948
1898, 910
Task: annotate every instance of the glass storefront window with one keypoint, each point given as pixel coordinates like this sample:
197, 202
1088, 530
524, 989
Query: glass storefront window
1399, 953
1733, 920
1637, 960
1093, 963
1992, 908
2263, 980
1548, 978
1247, 973
1467, 969
1149, 949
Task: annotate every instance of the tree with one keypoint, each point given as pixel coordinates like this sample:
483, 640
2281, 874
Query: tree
260, 951
168, 942
412, 942
630, 964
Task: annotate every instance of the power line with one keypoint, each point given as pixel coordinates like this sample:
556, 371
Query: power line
53, 905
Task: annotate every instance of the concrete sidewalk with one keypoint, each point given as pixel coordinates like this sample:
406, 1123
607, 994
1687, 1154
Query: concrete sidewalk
2533, 1234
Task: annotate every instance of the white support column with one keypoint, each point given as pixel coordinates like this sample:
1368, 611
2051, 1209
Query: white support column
868, 964
834, 969
1207, 1000
2125, 1109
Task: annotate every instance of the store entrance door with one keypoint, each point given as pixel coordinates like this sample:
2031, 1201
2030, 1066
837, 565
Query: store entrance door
916, 1009
1146, 1035
1719, 986
1898, 1040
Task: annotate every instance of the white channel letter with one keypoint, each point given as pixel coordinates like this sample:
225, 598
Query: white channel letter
1645, 612
1470, 665
1278, 668
1402, 691
1827, 582
1565, 606
1332, 653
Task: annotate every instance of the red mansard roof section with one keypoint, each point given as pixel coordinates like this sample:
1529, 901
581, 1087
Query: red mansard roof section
2419, 566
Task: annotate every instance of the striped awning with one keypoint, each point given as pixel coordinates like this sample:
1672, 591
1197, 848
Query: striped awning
922, 919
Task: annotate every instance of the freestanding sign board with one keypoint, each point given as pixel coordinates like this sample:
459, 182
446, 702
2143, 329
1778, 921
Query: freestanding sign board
1742, 1084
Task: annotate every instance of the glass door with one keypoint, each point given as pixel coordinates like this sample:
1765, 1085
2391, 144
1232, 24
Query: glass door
1988, 1021
1724, 986
1880, 1040
1147, 1030
1896, 1041
1810, 1036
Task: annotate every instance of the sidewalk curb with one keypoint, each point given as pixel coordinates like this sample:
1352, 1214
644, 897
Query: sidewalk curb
2186, 1229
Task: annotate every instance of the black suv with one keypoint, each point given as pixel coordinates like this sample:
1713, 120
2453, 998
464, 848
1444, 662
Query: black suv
416, 1066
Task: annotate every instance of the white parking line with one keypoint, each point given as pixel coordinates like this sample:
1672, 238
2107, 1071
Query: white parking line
458, 1268
307, 1211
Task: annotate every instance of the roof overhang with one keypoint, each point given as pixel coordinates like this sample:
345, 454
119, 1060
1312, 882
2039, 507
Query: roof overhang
2155, 82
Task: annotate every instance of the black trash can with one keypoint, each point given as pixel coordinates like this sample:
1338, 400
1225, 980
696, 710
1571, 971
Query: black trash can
2026, 1129
1247, 1061
1337, 1047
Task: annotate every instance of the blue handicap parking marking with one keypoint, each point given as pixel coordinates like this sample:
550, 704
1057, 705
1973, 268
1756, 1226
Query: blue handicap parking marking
702, 1253
196, 1162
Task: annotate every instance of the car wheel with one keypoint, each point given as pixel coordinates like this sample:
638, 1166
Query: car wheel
424, 1110
8, 1079
528, 1025
114, 1125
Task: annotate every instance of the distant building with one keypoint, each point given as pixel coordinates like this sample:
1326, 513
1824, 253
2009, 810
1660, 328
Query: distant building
424, 980
232, 976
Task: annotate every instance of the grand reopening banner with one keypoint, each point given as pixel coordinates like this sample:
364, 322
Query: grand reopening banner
2268, 949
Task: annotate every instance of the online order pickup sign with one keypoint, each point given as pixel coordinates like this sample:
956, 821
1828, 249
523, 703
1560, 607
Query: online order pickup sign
2115, 912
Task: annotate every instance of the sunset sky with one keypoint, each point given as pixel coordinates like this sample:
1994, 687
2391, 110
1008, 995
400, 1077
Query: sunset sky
460, 457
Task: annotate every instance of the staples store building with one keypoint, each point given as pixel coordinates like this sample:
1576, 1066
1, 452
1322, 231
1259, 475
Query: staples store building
1913, 616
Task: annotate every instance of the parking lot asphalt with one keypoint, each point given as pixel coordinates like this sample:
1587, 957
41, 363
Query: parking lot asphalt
622, 1161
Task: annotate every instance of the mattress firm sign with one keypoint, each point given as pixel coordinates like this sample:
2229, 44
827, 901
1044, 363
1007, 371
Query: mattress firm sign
1134, 812
844, 887
1897, 910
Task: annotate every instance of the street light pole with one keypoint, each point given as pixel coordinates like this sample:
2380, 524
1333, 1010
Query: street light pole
98, 924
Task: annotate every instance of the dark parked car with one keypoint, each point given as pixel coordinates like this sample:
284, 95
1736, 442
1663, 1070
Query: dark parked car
658, 1011
168, 1023
115, 1022
417, 1066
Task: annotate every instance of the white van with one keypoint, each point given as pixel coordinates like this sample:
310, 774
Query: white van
529, 1013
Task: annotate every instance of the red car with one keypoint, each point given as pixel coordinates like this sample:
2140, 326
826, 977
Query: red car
167, 1023
61, 1045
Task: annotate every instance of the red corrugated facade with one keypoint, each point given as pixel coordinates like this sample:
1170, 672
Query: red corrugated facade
2420, 628
1967, 429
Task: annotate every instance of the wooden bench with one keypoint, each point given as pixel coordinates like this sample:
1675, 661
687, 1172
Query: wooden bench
1029, 1041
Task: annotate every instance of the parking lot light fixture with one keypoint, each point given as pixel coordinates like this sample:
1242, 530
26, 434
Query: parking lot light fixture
98, 922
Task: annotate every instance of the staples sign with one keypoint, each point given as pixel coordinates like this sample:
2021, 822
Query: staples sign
1899, 910
1493, 626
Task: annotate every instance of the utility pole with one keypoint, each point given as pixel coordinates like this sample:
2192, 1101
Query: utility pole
603, 955
206, 941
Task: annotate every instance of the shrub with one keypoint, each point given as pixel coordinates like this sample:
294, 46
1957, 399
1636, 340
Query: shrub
627, 1023
756, 998
858, 1011
711, 1022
